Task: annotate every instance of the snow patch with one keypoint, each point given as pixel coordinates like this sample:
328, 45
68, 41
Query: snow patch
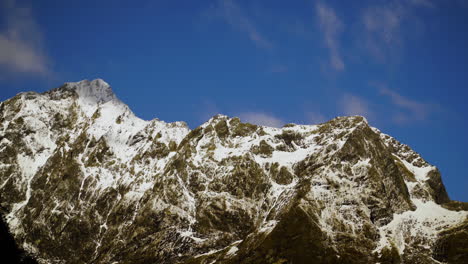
420, 173
426, 221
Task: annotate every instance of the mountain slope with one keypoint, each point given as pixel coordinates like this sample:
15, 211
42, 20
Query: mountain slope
83, 180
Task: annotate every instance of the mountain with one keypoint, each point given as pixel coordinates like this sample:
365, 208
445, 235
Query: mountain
83, 180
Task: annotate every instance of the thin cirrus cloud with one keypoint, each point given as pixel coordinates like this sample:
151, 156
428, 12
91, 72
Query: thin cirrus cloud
261, 119
423, 3
382, 29
235, 16
315, 117
403, 109
355, 105
383, 26
206, 110
21, 42
331, 27
407, 109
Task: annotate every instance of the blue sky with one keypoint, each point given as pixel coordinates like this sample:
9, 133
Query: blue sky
401, 63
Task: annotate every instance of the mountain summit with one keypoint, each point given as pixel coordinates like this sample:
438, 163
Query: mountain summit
97, 91
83, 180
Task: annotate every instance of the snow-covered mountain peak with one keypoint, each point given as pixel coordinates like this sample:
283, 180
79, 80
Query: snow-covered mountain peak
362, 118
215, 119
96, 91
82, 179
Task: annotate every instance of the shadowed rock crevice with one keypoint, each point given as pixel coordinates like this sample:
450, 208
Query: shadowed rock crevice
11, 253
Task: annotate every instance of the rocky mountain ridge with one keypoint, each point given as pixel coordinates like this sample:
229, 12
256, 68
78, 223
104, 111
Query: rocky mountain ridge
83, 180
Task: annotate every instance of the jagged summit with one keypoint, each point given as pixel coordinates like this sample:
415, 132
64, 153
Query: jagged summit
83, 180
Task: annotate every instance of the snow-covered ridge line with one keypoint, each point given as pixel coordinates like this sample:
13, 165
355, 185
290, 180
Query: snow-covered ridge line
79, 160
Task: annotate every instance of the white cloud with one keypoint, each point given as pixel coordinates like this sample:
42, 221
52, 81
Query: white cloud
383, 21
235, 17
331, 27
384, 24
315, 117
382, 29
261, 119
21, 42
408, 109
355, 105
206, 110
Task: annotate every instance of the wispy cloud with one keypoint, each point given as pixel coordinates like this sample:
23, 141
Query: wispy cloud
315, 117
407, 110
423, 3
384, 26
236, 17
21, 42
331, 27
355, 105
382, 29
261, 119
206, 109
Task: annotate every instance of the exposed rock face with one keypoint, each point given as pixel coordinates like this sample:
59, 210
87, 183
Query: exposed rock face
83, 180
